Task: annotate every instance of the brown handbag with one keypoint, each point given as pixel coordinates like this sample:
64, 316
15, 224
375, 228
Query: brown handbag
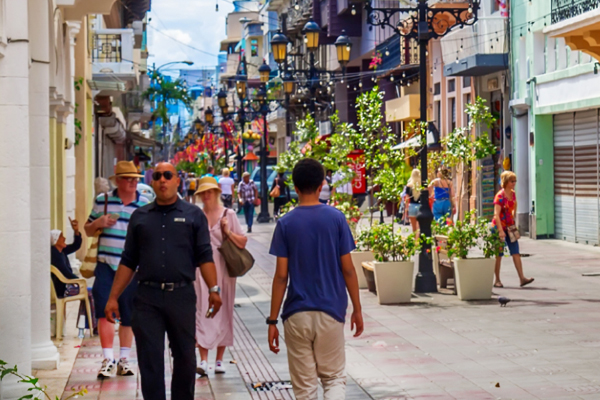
513, 233
238, 261
88, 267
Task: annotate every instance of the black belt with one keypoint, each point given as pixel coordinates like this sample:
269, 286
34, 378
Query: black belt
166, 286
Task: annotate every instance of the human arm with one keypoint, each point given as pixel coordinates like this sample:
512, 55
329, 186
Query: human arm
498, 221
235, 233
280, 281
122, 279
76, 245
351, 279
98, 219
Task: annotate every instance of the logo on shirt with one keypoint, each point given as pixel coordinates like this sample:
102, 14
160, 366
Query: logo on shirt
179, 219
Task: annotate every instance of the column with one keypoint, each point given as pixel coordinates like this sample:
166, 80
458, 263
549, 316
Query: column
44, 354
521, 168
15, 230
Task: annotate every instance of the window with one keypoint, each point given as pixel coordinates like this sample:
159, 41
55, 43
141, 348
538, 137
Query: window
437, 88
451, 85
467, 102
254, 48
495, 6
437, 107
467, 82
452, 113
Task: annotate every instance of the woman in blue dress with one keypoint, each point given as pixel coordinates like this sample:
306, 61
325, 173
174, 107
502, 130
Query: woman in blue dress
441, 191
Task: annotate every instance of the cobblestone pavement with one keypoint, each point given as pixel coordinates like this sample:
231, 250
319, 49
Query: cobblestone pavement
543, 345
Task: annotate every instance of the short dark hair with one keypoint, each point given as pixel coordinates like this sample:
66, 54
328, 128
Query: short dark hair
308, 175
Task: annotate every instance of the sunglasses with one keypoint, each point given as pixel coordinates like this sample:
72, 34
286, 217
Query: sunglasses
128, 179
167, 174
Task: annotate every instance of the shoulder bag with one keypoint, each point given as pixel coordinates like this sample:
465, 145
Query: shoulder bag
511, 230
276, 192
88, 267
238, 261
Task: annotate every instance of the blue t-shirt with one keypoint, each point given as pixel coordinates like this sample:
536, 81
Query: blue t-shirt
313, 238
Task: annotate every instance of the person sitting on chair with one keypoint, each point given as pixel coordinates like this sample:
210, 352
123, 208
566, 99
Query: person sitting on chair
59, 253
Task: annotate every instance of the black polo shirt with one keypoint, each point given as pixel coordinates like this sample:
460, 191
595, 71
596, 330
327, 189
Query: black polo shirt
168, 243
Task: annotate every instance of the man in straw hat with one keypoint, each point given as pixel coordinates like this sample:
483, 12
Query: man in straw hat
121, 203
166, 241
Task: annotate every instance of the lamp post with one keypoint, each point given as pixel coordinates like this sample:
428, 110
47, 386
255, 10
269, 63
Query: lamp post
423, 23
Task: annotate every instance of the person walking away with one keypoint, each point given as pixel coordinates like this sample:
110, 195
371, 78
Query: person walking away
505, 211
191, 184
216, 332
284, 193
247, 193
210, 172
167, 241
327, 189
442, 195
122, 202
412, 198
59, 252
315, 308
226, 185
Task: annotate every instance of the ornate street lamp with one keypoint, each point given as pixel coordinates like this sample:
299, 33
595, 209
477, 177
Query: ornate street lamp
311, 31
222, 98
423, 23
288, 84
343, 45
198, 125
208, 116
265, 72
279, 47
240, 84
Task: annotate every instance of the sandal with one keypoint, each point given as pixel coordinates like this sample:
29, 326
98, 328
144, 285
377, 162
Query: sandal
527, 282
498, 285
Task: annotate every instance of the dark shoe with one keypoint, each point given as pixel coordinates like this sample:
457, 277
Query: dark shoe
249, 230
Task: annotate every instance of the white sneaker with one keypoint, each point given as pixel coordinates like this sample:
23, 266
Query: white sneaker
123, 368
108, 367
219, 367
202, 369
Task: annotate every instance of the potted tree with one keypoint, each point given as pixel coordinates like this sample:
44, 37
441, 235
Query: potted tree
361, 254
393, 269
473, 275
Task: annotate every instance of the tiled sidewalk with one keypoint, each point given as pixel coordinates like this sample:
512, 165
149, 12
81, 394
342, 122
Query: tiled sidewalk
544, 345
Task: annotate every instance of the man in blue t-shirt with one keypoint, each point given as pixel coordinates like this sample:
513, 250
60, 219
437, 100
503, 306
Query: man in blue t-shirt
312, 244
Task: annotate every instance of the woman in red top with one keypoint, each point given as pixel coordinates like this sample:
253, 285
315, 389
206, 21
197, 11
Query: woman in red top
505, 210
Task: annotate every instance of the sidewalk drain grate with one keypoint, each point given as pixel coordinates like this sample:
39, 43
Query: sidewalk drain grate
271, 386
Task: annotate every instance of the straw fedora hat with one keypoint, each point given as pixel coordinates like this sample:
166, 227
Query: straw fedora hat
207, 183
125, 169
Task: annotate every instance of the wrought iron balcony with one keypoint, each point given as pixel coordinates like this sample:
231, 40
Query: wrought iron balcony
112, 54
565, 9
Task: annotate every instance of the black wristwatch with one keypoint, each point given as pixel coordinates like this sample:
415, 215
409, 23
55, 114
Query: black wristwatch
272, 321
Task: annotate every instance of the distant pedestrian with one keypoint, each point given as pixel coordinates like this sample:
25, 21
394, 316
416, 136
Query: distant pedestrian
226, 184
315, 308
210, 172
59, 253
148, 174
284, 193
247, 195
192, 183
217, 332
121, 204
441, 187
167, 241
327, 189
505, 211
412, 198
341, 184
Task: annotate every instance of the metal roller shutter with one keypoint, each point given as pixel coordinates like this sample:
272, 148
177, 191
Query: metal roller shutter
576, 176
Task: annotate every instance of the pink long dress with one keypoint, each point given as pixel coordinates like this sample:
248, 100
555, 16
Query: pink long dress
217, 331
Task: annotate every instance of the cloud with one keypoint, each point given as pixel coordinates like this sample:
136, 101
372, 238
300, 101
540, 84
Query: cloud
191, 22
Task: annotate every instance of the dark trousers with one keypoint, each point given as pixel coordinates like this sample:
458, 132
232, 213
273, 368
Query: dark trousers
157, 312
249, 213
278, 202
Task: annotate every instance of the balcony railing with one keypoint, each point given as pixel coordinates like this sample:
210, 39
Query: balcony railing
112, 52
565, 9
487, 36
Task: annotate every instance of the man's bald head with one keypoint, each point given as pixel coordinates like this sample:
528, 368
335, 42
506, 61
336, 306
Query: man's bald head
166, 189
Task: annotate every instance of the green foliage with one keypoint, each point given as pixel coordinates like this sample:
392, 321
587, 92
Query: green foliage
347, 205
34, 388
469, 233
189, 166
78, 84
388, 245
491, 244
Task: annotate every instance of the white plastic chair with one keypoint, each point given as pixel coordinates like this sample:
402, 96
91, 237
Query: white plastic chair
61, 302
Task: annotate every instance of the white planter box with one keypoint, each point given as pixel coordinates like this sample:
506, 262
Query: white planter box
474, 278
394, 281
358, 257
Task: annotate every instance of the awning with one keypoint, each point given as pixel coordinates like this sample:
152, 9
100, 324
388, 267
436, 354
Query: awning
141, 141
226, 42
107, 88
250, 157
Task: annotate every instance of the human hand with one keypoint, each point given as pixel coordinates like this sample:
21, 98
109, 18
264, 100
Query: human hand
106, 222
356, 321
111, 311
274, 338
74, 225
502, 234
225, 225
214, 302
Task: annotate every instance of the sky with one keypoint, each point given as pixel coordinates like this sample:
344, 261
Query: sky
191, 22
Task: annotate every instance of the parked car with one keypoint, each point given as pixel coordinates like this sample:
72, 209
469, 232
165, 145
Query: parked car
255, 176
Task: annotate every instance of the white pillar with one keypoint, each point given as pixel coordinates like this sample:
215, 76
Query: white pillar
44, 354
15, 231
521, 160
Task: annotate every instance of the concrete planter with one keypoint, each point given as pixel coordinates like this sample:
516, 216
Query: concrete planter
394, 281
474, 278
358, 257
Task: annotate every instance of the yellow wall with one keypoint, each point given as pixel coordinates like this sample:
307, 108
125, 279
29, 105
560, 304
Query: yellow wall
58, 170
53, 175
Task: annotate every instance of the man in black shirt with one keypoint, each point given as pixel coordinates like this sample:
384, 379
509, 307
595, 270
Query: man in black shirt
166, 241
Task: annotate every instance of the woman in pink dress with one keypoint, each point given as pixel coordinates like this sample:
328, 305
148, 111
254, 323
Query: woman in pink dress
218, 331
